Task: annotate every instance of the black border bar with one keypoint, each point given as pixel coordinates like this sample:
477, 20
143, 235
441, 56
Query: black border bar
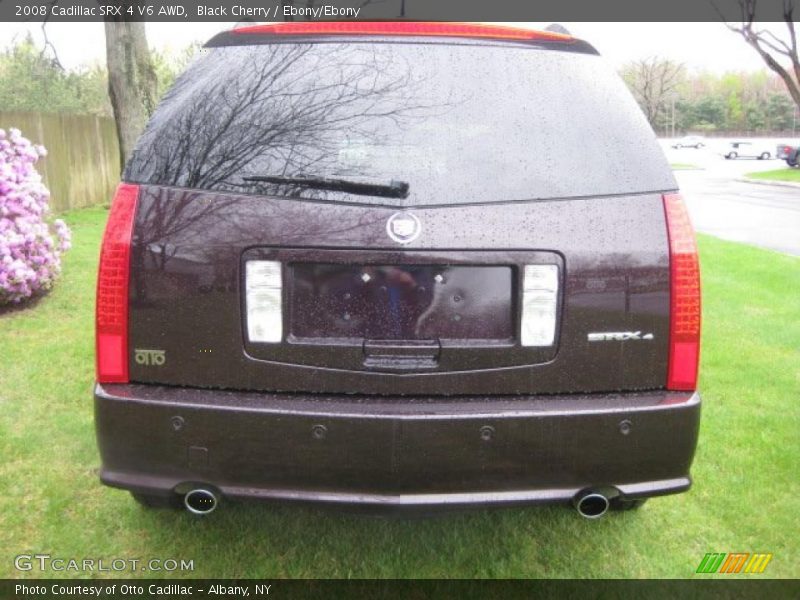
416, 10
201, 589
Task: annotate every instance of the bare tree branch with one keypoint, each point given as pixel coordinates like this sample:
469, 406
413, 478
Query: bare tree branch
653, 80
768, 44
48, 45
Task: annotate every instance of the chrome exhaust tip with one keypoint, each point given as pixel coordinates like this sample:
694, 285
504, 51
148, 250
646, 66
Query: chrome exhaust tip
591, 505
200, 501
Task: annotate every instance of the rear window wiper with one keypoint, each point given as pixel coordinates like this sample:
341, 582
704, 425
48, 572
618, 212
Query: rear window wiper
393, 189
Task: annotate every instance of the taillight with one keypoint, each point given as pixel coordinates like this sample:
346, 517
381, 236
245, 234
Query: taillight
111, 316
684, 305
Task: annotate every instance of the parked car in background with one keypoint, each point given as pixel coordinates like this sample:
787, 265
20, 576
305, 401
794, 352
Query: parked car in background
743, 149
790, 153
331, 275
690, 141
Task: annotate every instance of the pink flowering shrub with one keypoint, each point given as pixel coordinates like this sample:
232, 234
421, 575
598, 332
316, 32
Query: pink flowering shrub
30, 253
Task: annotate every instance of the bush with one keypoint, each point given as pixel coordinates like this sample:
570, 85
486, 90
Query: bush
30, 255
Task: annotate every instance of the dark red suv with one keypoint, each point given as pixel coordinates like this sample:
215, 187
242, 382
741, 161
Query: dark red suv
399, 265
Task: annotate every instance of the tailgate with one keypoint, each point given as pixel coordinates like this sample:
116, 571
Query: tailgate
362, 314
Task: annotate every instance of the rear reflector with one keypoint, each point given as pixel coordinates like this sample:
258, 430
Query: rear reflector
539, 302
403, 28
111, 316
684, 312
263, 296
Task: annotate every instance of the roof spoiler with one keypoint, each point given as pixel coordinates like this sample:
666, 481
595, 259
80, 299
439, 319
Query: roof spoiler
288, 31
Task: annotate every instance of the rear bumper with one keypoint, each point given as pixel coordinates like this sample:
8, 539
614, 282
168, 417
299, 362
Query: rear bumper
395, 452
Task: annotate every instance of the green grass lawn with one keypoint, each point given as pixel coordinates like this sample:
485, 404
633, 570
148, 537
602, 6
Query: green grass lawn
683, 166
786, 174
746, 496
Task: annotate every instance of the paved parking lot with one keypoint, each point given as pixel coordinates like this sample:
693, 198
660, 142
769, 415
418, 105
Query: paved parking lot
753, 213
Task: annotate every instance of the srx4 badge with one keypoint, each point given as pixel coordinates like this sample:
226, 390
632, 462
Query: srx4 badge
619, 336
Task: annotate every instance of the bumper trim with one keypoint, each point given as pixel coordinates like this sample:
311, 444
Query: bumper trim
498, 498
398, 407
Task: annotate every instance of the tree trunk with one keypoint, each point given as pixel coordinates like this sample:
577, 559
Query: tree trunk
132, 82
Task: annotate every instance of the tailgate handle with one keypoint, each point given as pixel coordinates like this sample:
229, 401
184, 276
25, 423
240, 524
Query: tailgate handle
401, 354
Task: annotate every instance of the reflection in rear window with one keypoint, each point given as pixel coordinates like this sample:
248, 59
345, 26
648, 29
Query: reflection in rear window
458, 122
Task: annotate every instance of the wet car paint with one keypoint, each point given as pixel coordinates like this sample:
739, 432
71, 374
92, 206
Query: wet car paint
186, 283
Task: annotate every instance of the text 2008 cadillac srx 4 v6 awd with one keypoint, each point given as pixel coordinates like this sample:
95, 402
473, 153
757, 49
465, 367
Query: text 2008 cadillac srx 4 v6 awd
398, 265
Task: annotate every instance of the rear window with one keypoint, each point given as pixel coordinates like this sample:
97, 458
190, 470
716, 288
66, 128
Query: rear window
458, 122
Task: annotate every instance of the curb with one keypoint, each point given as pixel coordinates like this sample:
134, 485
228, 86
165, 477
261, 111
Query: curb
787, 184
